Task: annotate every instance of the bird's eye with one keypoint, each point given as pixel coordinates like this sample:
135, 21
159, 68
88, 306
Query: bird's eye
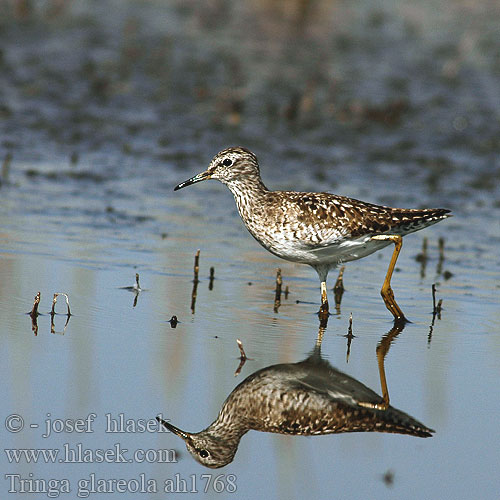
227, 162
203, 453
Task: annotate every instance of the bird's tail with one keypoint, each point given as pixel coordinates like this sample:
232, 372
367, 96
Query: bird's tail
409, 220
392, 420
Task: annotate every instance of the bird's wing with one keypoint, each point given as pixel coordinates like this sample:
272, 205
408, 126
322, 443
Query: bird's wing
339, 386
325, 219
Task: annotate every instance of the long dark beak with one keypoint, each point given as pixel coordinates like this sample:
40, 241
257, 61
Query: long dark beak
197, 178
173, 428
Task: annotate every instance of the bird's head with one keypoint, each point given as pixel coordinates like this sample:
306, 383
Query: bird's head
206, 448
228, 166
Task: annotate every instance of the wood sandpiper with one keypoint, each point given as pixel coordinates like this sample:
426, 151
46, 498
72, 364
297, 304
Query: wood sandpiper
319, 229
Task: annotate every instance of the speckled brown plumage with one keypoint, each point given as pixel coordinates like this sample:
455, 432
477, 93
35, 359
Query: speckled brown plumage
306, 398
318, 229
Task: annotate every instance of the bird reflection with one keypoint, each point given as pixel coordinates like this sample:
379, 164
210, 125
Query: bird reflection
307, 398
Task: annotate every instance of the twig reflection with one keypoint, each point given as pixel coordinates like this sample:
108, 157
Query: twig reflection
439, 267
349, 338
436, 311
277, 291
422, 258
196, 270
53, 326
338, 289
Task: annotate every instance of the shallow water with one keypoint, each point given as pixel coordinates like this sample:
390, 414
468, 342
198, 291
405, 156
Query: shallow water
399, 105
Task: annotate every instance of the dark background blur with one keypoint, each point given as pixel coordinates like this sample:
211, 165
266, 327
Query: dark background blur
341, 89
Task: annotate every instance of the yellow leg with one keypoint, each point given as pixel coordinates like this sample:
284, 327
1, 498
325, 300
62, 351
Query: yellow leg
323, 310
324, 299
386, 292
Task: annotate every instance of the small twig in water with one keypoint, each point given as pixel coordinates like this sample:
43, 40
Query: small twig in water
136, 287
436, 308
242, 351
243, 357
54, 301
34, 312
277, 292
211, 279
196, 269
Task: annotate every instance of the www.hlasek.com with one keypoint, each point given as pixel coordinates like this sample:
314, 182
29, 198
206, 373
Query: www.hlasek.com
53, 488
78, 454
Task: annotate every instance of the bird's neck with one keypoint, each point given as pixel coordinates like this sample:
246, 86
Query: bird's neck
249, 184
228, 428
248, 193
